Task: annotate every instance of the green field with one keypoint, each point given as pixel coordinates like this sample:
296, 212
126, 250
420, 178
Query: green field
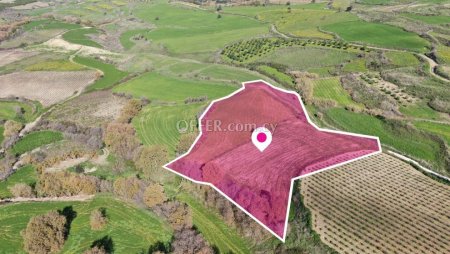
275, 74
26, 174
1, 133
158, 124
35, 140
421, 110
443, 54
402, 59
305, 22
132, 230
111, 75
223, 72
442, 130
8, 112
79, 36
409, 142
215, 231
356, 65
45, 24
303, 58
185, 30
157, 87
55, 65
378, 34
432, 20
332, 89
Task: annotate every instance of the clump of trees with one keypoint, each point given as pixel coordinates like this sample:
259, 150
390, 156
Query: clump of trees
11, 133
120, 138
98, 219
150, 159
130, 110
45, 233
154, 195
186, 141
189, 241
130, 188
66, 184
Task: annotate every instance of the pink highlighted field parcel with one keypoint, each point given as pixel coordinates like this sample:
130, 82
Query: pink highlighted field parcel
260, 182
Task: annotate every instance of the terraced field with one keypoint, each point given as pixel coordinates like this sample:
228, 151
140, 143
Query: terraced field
29, 112
80, 36
379, 205
130, 228
26, 174
440, 129
159, 124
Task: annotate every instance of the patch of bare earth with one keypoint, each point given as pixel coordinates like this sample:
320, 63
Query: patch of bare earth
10, 56
47, 87
30, 6
379, 205
65, 46
91, 109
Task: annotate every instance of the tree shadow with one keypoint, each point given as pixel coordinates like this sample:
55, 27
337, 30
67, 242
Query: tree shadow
70, 215
159, 246
106, 242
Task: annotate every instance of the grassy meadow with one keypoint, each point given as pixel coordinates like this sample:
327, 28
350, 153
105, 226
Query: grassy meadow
26, 174
443, 130
331, 89
80, 36
29, 112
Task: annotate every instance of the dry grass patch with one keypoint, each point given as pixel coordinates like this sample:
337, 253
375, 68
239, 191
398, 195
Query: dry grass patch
10, 56
47, 87
379, 205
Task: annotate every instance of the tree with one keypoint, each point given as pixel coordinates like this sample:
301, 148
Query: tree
150, 160
189, 241
22, 190
129, 188
66, 184
154, 195
121, 139
45, 233
11, 128
186, 141
98, 219
130, 110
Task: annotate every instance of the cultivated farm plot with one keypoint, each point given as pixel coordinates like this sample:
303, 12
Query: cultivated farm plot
158, 125
47, 87
379, 205
12, 55
331, 88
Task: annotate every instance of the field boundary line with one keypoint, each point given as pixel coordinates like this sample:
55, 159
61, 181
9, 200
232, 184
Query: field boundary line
417, 164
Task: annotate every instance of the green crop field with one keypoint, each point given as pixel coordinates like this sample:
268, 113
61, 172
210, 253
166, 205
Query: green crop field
184, 30
356, 65
223, 72
163, 88
8, 111
111, 75
305, 22
275, 74
303, 58
332, 89
378, 34
159, 124
132, 230
79, 36
1, 133
442, 130
421, 110
409, 142
55, 65
432, 20
35, 140
402, 59
26, 174
443, 53
214, 229
45, 24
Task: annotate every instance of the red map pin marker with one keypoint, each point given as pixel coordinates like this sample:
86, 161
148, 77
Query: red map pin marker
261, 138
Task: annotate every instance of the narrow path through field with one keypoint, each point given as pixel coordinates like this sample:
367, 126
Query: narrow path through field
47, 199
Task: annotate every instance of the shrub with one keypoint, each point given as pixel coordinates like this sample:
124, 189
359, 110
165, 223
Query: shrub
150, 160
45, 233
11, 128
22, 190
130, 110
98, 219
121, 139
66, 184
129, 188
154, 195
96, 250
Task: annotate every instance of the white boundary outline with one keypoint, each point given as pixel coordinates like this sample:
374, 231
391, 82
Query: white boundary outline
283, 238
